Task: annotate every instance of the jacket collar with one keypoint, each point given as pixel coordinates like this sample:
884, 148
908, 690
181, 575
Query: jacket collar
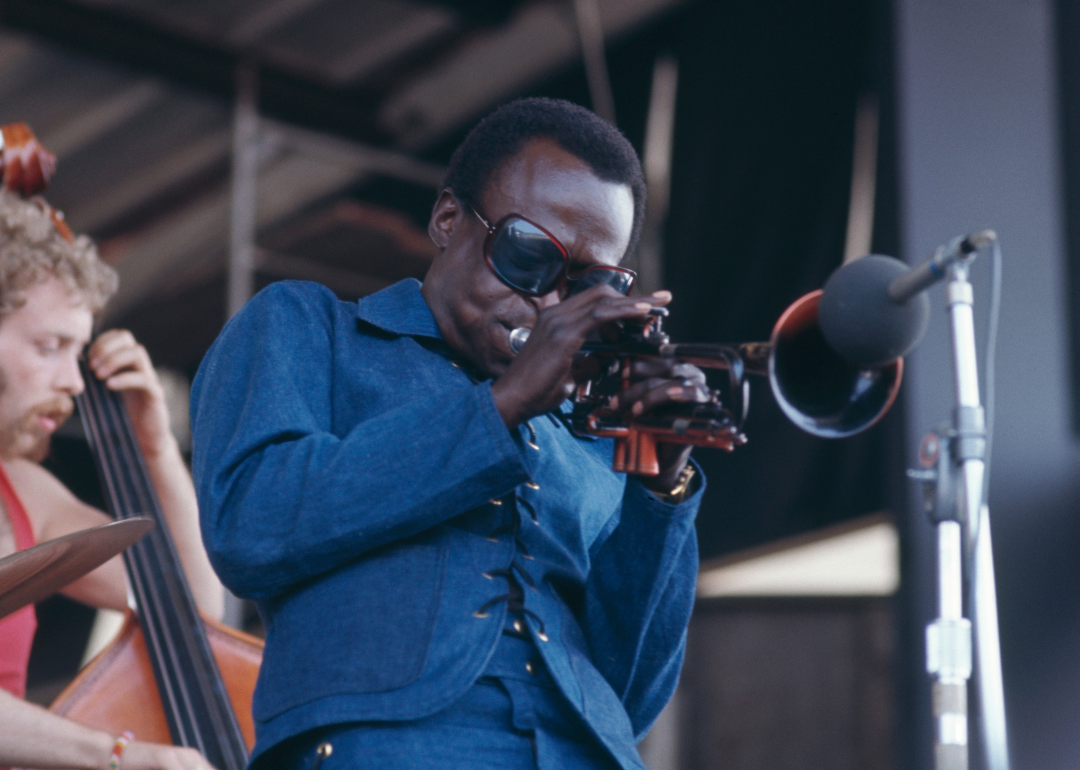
399, 309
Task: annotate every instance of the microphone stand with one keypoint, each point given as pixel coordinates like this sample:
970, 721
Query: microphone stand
954, 466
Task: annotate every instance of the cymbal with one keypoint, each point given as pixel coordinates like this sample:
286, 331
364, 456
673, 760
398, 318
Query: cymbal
36, 573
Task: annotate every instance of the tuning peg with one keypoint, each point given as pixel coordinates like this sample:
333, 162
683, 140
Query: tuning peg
27, 165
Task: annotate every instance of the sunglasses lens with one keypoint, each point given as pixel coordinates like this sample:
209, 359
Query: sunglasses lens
525, 257
620, 280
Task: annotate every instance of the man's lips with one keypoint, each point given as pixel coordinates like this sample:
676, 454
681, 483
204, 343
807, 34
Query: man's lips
53, 416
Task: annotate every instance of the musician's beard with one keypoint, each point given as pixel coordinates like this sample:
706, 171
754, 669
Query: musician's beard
25, 436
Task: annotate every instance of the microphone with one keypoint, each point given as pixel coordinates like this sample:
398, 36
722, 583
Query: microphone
875, 310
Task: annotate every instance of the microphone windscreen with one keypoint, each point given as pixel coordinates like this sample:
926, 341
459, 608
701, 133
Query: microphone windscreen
861, 322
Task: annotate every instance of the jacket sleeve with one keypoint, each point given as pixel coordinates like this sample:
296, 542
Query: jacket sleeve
282, 497
638, 600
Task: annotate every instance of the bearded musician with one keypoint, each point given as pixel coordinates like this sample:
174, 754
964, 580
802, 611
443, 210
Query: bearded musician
51, 285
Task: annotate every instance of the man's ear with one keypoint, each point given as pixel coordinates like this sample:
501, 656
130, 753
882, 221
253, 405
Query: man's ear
444, 217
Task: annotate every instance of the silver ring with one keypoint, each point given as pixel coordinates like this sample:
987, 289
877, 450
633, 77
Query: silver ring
688, 383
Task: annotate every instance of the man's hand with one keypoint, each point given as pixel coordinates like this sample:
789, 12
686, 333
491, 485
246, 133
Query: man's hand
657, 382
124, 365
154, 756
539, 378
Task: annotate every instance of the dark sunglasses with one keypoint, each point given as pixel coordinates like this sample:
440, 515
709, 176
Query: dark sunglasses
528, 258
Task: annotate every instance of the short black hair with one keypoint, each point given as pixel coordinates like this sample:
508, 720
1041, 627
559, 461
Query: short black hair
579, 131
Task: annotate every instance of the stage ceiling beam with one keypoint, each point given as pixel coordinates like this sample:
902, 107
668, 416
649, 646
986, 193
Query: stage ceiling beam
301, 167
150, 49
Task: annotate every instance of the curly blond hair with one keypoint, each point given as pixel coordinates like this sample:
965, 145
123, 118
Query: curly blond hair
32, 250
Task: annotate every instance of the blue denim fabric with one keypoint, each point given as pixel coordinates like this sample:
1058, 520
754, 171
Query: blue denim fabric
363, 489
509, 719
477, 732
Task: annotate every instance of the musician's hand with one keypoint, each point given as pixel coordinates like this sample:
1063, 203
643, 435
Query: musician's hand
124, 365
657, 382
539, 378
154, 756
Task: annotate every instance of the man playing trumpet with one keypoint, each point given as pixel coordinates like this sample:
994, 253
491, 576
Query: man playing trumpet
450, 578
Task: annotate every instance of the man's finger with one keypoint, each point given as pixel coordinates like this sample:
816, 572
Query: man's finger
647, 374
603, 290
134, 358
130, 381
669, 368
110, 341
631, 395
568, 328
671, 391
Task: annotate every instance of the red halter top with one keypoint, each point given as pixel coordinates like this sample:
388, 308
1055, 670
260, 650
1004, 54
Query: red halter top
17, 629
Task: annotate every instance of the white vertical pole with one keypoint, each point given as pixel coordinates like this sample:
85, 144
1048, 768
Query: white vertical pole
240, 278
245, 169
993, 735
860, 224
659, 138
592, 48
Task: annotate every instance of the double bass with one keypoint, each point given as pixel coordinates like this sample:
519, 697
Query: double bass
171, 675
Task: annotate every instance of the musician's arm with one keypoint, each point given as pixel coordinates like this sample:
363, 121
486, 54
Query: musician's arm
54, 512
35, 738
283, 497
117, 358
177, 496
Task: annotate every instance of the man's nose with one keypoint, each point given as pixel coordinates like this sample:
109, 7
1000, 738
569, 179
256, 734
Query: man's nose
68, 379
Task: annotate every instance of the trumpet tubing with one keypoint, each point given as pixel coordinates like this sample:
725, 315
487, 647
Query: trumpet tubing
817, 389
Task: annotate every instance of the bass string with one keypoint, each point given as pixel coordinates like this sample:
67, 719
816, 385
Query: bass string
186, 623
121, 497
142, 564
120, 454
214, 699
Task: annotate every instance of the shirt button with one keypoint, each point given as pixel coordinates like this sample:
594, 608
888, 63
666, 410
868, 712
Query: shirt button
519, 626
530, 667
532, 485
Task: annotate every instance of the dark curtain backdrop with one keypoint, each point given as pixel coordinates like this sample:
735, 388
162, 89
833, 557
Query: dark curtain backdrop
761, 180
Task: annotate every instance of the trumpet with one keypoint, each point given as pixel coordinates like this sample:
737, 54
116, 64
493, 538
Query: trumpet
817, 389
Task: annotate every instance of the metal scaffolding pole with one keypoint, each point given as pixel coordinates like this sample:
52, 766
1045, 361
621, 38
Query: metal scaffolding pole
592, 48
245, 171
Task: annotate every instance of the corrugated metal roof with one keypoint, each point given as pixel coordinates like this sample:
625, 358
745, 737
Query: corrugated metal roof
135, 99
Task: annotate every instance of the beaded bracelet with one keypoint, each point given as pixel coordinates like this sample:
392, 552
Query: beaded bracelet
122, 740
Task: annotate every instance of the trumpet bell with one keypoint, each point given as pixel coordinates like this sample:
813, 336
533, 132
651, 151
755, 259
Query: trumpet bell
818, 390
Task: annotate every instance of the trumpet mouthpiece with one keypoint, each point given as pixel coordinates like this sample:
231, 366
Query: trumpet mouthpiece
518, 338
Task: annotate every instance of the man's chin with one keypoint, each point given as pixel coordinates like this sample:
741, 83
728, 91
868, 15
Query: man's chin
39, 450
497, 369
27, 446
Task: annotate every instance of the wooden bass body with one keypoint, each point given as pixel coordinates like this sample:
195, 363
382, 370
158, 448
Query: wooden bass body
116, 691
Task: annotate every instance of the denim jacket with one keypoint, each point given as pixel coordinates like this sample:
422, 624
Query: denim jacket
357, 484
